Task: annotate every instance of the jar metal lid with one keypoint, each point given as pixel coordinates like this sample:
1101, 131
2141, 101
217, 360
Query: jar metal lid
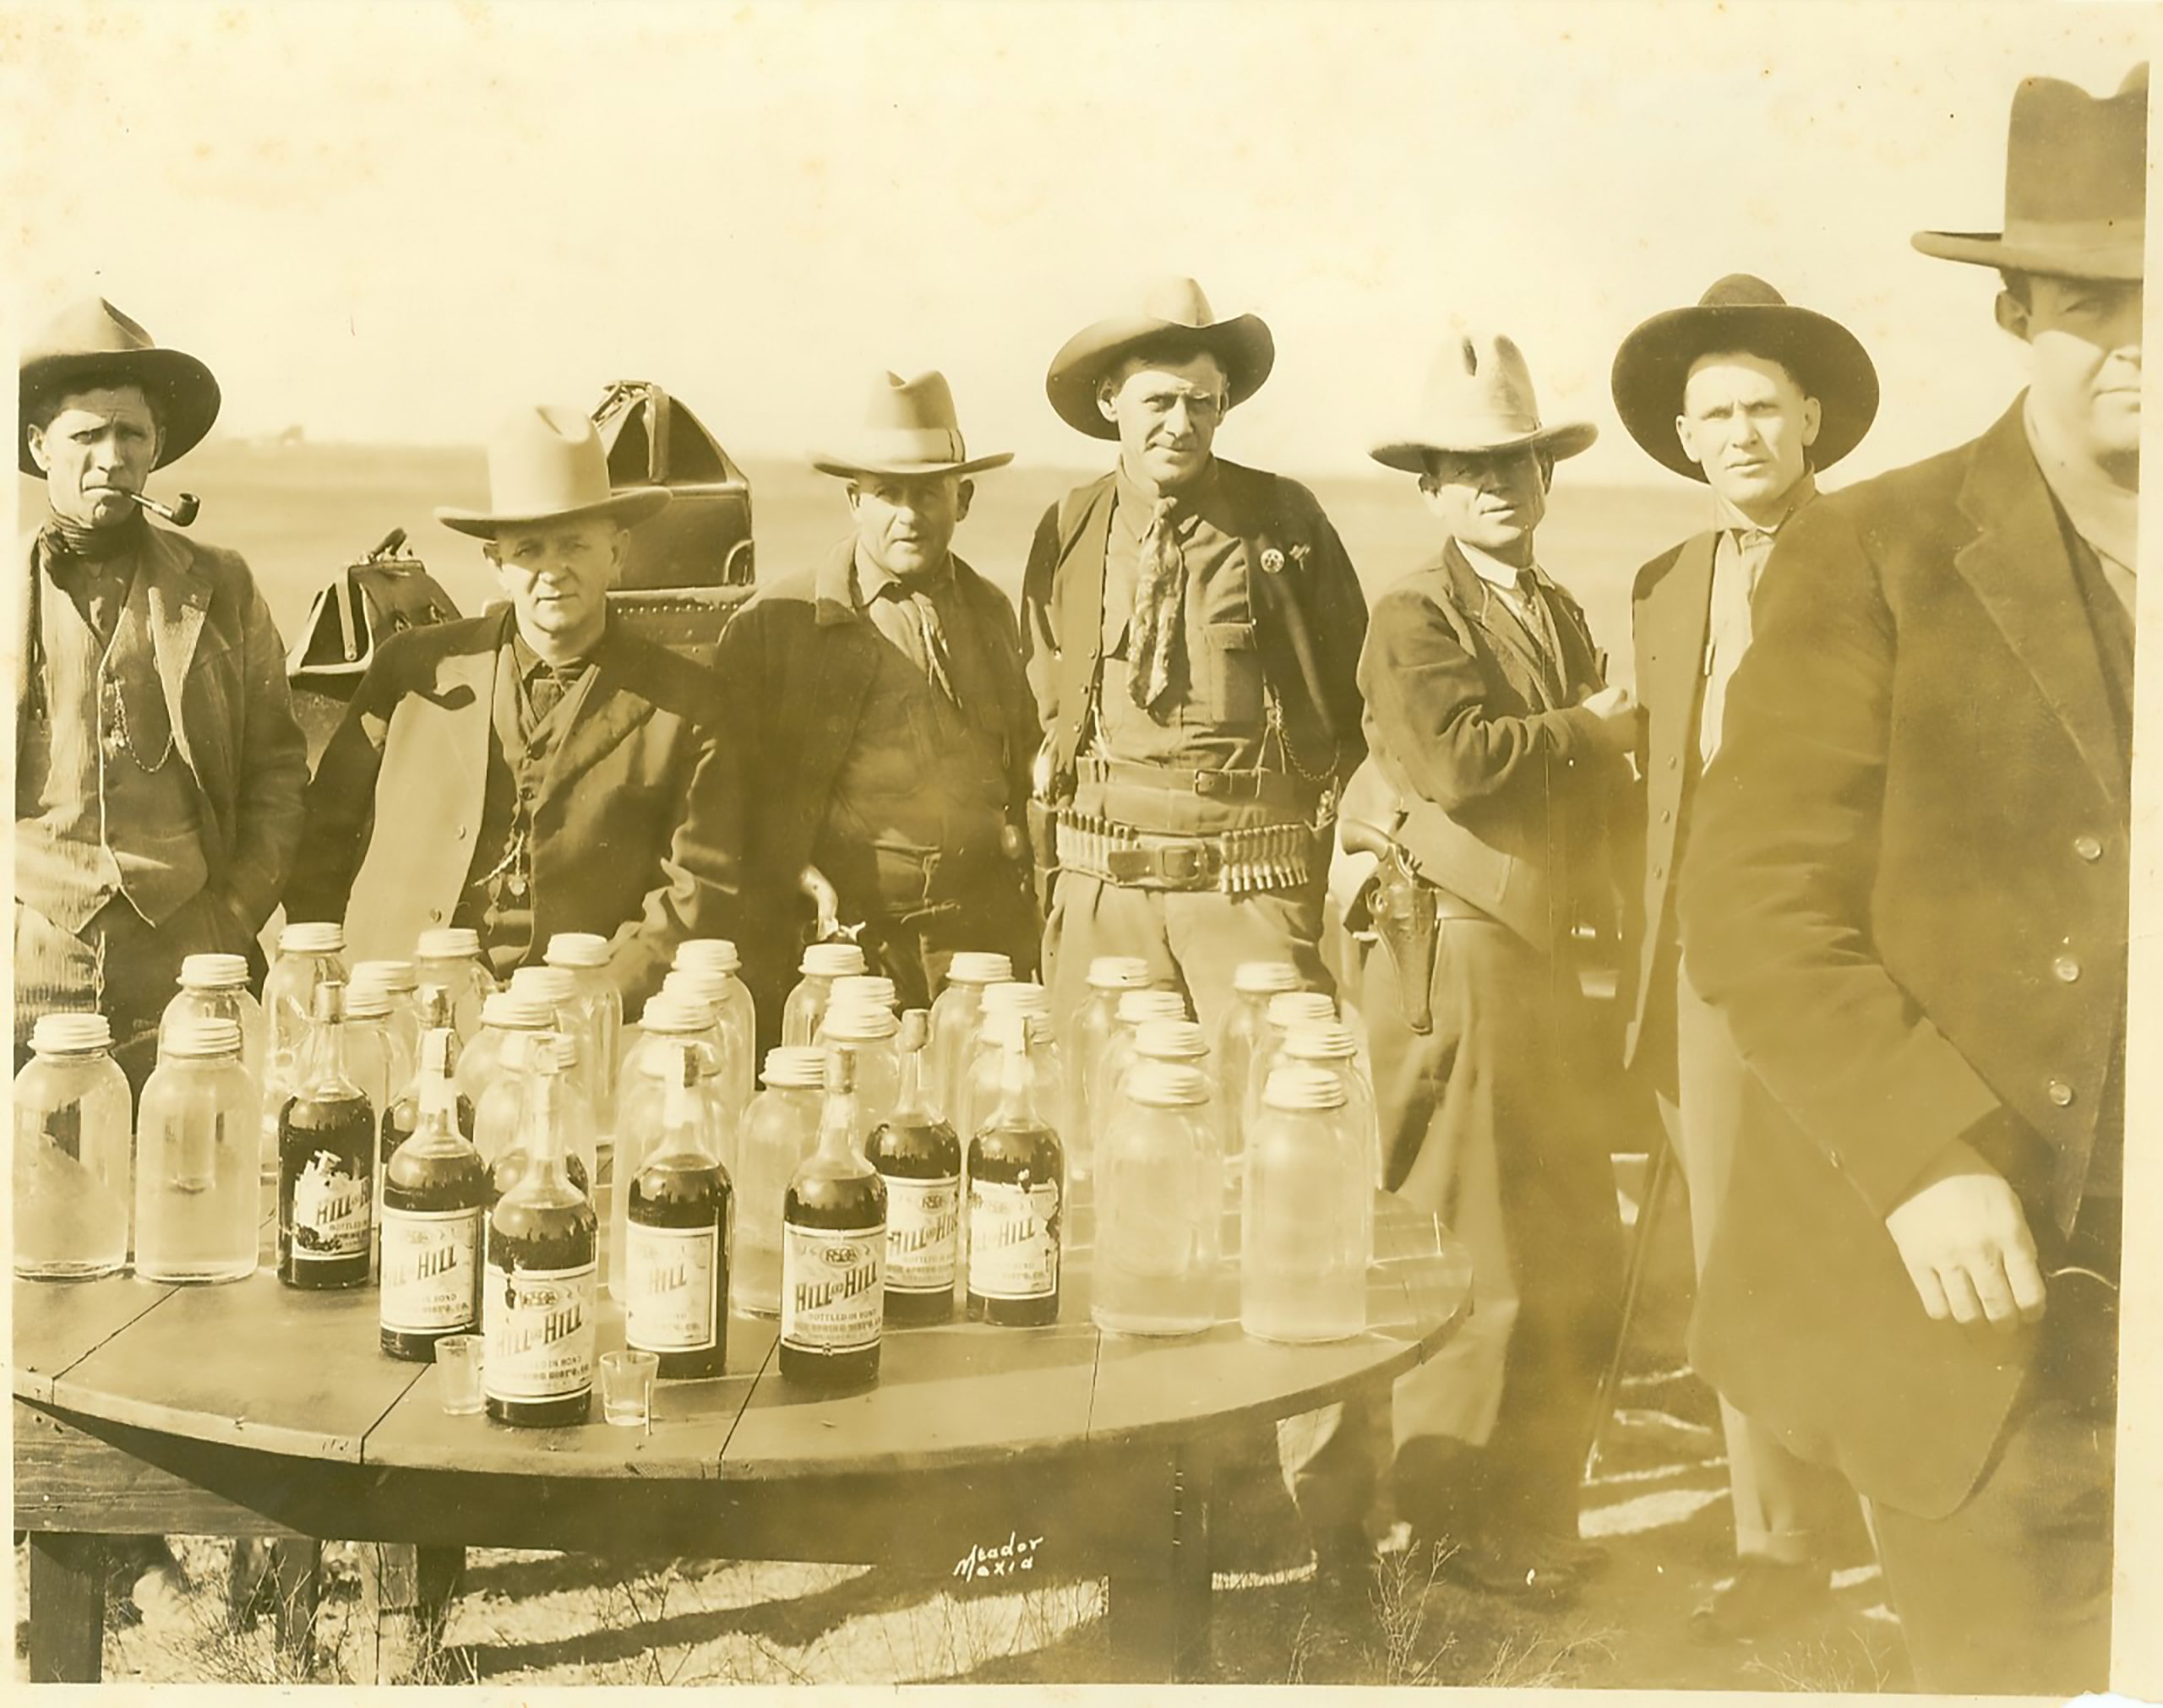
831, 961
515, 1011
317, 938
859, 1019
1118, 972
1178, 1040
707, 954
1329, 1041
1265, 977
394, 975
213, 971
979, 966
579, 949
546, 984
865, 988
448, 943
64, 1035
1166, 1084
1296, 1088
1293, 1007
677, 1011
796, 1066
1135, 1006
1021, 996
203, 1037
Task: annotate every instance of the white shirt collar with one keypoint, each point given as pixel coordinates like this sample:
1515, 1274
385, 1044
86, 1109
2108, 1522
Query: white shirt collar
1492, 569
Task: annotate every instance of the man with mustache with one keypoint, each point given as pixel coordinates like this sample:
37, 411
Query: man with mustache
1906, 895
159, 772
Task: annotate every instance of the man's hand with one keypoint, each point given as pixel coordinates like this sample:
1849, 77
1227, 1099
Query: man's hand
1619, 713
1965, 1239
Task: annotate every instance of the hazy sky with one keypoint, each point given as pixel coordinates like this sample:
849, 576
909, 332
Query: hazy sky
395, 222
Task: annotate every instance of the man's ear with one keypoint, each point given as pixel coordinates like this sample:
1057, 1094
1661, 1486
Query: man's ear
1814, 418
2012, 315
854, 495
1104, 394
34, 437
963, 494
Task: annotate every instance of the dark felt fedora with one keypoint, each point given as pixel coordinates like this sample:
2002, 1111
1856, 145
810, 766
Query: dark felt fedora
2075, 185
1743, 313
92, 343
1172, 310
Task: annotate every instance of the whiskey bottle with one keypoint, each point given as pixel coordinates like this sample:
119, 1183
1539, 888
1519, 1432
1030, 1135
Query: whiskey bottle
679, 1230
920, 1160
833, 1259
435, 1193
326, 1160
1017, 1188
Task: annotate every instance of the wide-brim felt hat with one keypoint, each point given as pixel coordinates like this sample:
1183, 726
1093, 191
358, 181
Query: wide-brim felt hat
92, 343
910, 430
1743, 313
2076, 176
1172, 311
1478, 400
546, 464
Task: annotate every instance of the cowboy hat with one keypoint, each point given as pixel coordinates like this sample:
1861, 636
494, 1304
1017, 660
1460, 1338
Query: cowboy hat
2075, 183
1478, 399
1740, 312
546, 465
909, 429
92, 343
1173, 312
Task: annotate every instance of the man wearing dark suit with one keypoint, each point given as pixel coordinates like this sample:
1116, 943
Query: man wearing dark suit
888, 726
1750, 395
1495, 750
534, 770
1906, 891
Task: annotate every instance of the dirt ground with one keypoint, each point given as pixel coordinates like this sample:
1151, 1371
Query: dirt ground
1660, 1501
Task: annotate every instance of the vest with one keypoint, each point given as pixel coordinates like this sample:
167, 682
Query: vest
103, 804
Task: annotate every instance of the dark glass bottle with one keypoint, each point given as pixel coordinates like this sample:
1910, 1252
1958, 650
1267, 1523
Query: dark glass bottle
537, 1299
680, 1231
833, 1254
920, 1160
435, 1193
1017, 1190
326, 1161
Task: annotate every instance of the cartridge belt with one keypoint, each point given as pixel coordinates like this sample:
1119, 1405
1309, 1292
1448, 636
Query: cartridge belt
1251, 861
1266, 787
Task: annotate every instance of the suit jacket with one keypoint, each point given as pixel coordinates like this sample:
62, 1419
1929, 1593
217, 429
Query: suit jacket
223, 667
799, 662
629, 834
1310, 614
1906, 886
1671, 611
1500, 792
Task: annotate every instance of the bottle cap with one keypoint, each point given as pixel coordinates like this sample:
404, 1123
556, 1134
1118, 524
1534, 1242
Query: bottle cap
448, 943
865, 988
395, 976
1295, 1007
552, 985
1020, 998
979, 966
1135, 1006
796, 1066
859, 1021
1166, 1084
707, 954
1172, 1041
1118, 972
321, 938
213, 971
1321, 1040
916, 1030
515, 1011
366, 1000
1265, 977
677, 1011
62, 1035
831, 960
577, 949
1303, 1088
203, 1037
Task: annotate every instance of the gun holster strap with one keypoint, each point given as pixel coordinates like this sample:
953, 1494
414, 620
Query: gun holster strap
1267, 788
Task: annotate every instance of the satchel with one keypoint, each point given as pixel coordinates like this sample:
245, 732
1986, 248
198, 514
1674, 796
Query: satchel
380, 595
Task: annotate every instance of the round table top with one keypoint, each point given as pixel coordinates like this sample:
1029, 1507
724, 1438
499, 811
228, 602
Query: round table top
258, 1365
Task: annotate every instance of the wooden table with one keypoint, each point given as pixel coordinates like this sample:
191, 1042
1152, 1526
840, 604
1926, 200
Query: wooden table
253, 1410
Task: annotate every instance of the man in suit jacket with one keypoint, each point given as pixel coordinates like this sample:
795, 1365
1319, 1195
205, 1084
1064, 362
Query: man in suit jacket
1906, 890
887, 725
532, 770
1749, 394
158, 770
1495, 749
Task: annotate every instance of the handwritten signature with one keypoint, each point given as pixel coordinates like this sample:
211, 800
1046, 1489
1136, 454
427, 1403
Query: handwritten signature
1017, 1553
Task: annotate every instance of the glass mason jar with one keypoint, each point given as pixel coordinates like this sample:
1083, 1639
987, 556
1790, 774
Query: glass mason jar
652, 1067
1110, 976
492, 1072
1283, 1012
1332, 1046
309, 955
954, 1016
1241, 1030
401, 983
376, 1060
214, 988
869, 989
558, 989
1307, 1228
1134, 1007
716, 964
1160, 1193
198, 1197
74, 1148
598, 1008
822, 963
450, 956
873, 1037
987, 1056
780, 1130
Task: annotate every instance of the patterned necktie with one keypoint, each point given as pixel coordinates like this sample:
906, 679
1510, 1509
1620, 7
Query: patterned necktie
1159, 590
934, 630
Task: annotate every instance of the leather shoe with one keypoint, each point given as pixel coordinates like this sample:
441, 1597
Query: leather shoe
1538, 1567
1765, 1597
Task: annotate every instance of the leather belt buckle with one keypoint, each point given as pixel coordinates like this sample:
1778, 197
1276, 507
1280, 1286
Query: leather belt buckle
1127, 865
1185, 864
1212, 783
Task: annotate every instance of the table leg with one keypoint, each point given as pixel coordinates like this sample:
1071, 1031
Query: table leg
406, 1594
67, 1608
1159, 1607
295, 1565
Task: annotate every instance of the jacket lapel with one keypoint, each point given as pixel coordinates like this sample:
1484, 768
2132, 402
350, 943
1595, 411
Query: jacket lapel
1676, 615
603, 718
179, 598
1520, 660
843, 658
474, 673
2020, 568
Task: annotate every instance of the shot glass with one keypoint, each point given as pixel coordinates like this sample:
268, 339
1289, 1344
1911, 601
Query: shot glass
458, 1374
626, 1387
